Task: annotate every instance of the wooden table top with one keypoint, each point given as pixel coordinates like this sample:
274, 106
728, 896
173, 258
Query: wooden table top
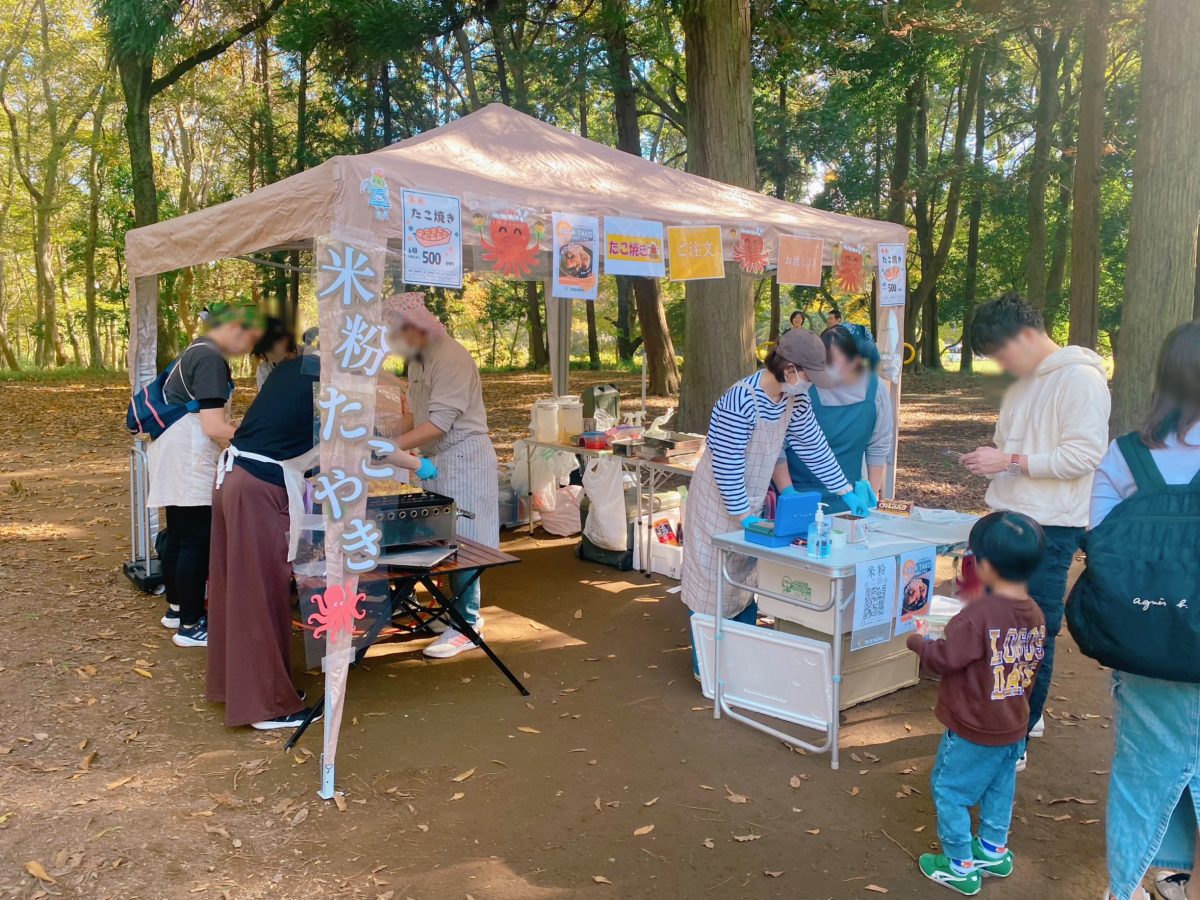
471, 555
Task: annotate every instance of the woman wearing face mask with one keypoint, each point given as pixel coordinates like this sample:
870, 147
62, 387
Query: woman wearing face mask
449, 426
750, 425
276, 345
855, 413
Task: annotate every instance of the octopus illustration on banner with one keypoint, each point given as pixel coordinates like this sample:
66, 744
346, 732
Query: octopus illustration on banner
509, 245
749, 250
848, 267
337, 611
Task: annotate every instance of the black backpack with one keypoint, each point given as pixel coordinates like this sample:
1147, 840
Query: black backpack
1136, 607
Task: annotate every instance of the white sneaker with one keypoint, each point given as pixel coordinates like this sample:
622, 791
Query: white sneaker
171, 619
1039, 727
1172, 885
1021, 760
452, 642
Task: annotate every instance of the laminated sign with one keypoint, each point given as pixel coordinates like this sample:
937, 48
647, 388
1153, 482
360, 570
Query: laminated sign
874, 599
633, 247
695, 252
575, 274
893, 273
916, 588
432, 239
799, 260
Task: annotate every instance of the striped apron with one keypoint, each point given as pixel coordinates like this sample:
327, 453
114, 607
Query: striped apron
707, 516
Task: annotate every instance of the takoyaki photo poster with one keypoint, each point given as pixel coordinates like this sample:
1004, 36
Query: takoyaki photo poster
575, 263
916, 588
432, 239
893, 274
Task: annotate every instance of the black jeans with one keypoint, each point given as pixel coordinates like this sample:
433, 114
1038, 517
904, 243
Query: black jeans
185, 559
1048, 588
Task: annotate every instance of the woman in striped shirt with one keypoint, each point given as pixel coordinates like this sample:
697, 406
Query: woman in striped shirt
750, 425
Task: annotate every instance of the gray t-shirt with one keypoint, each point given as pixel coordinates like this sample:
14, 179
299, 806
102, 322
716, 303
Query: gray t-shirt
445, 389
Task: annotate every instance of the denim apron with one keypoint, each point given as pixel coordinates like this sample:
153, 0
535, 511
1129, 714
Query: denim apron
1154, 788
848, 429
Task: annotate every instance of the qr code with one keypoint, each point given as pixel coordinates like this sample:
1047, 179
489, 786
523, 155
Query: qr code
874, 596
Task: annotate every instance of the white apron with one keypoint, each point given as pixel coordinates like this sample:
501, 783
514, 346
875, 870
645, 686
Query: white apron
467, 473
181, 464
707, 516
293, 483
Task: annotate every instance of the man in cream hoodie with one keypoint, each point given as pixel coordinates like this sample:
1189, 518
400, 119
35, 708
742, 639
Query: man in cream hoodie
1051, 434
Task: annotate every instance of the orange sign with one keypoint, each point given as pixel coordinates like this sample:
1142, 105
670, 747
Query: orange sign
799, 260
694, 252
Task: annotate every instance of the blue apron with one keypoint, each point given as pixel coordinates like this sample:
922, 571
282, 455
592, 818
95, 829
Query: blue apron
848, 430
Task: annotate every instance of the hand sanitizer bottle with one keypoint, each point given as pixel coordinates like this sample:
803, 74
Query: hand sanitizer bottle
820, 536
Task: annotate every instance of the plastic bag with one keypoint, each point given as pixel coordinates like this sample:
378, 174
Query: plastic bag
536, 474
564, 519
603, 483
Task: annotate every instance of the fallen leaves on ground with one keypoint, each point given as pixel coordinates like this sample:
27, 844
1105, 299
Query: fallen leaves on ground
644, 830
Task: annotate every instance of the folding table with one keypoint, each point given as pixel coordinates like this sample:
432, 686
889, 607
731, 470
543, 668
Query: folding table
471, 558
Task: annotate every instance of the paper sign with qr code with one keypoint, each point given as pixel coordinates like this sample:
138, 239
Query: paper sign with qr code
874, 602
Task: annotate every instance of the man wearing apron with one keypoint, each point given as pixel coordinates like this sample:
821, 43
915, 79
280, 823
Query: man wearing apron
856, 417
750, 425
257, 511
450, 427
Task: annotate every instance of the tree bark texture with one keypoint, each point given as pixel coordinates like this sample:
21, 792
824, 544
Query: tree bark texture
1049, 50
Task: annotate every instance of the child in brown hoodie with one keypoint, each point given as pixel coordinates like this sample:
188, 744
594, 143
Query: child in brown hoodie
987, 662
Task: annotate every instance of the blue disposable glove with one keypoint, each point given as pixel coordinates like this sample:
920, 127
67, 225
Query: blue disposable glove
863, 489
787, 490
747, 521
856, 504
426, 470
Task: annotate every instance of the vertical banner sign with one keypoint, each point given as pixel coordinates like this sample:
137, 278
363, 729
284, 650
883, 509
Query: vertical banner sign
633, 247
695, 252
349, 269
893, 274
916, 588
874, 598
432, 239
576, 276
799, 260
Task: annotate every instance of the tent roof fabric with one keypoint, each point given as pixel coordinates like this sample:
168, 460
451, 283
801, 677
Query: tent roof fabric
496, 156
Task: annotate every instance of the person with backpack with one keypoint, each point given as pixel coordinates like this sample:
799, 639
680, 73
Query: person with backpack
1049, 438
182, 459
1136, 609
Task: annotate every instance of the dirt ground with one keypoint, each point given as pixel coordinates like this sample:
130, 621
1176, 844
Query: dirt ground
118, 780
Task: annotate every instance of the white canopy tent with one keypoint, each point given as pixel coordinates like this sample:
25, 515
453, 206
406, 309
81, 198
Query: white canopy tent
493, 159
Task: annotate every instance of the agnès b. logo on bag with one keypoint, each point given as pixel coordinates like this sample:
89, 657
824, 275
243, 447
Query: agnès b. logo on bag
1148, 603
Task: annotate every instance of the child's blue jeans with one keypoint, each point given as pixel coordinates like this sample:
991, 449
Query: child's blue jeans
967, 774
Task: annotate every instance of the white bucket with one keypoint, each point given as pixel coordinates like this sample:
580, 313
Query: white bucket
545, 421
570, 417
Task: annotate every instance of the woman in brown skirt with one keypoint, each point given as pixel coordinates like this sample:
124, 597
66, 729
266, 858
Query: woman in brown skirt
259, 490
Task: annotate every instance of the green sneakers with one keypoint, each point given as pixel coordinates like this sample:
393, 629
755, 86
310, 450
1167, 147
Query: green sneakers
936, 868
990, 866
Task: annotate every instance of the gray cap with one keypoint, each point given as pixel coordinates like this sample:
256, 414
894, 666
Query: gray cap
803, 349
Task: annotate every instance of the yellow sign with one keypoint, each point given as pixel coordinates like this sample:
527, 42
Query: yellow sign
694, 252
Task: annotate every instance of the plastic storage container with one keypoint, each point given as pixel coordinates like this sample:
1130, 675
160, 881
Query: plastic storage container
570, 418
545, 420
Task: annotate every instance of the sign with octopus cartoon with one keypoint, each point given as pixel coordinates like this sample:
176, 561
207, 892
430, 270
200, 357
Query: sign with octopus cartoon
750, 250
432, 239
695, 252
509, 240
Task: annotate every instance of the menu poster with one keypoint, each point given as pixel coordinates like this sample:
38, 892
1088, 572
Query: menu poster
432, 239
575, 274
893, 274
633, 247
695, 252
916, 588
874, 598
799, 260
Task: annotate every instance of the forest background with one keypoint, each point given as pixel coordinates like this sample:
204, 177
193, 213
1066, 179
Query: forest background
1044, 146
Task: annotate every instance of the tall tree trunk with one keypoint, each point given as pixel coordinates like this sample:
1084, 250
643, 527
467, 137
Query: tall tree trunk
974, 216
6, 351
50, 349
1089, 175
593, 337
720, 314
1160, 273
299, 164
464, 51
95, 354
539, 354
662, 368
781, 172
1049, 49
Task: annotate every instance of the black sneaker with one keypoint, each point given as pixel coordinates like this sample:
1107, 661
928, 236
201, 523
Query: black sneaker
192, 635
293, 720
